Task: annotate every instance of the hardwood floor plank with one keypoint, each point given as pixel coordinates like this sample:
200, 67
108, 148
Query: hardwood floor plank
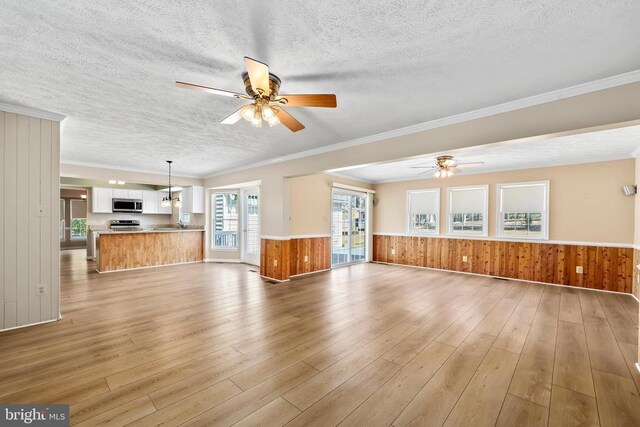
185, 409
522, 413
309, 392
570, 310
570, 408
336, 405
388, 401
432, 404
275, 414
533, 376
604, 353
618, 400
122, 415
482, 400
512, 337
247, 402
572, 368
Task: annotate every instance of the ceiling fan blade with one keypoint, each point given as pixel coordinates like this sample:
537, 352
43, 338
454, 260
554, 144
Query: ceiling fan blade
288, 120
258, 75
427, 171
235, 117
310, 100
422, 167
211, 90
470, 165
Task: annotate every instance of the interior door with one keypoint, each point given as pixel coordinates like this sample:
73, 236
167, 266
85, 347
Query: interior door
251, 227
348, 228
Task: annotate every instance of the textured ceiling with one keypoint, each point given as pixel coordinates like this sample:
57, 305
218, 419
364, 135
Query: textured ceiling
530, 153
110, 67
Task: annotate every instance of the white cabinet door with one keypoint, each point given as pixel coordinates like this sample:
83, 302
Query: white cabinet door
120, 193
193, 199
150, 202
101, 200
135, 194
161, 209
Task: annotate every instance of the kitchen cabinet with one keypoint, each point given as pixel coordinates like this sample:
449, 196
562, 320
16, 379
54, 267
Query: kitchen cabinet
150, 202
101, 200
123, 193
193, 200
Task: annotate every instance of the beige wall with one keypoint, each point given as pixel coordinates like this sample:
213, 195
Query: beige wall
310, 203
586, 201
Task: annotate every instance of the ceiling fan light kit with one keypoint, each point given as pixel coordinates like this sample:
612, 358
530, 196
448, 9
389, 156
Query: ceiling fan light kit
446, 166
263, 88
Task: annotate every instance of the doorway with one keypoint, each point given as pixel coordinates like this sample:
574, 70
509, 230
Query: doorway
73, 218
348, 227
251, 226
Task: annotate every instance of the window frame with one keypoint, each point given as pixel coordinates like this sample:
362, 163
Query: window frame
485, 211
213, 222
500, 214
410, 229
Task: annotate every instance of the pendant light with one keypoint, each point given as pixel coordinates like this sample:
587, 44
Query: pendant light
167, 201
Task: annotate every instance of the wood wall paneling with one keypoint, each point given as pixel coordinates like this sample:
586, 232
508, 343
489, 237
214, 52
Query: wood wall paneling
604, 268
122, 251
29, 192
290, 256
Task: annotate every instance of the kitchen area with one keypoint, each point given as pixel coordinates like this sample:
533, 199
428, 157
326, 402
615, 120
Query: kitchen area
134, 225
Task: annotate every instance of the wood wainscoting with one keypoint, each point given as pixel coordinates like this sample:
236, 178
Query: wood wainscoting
124, 251
281, 259
604, 268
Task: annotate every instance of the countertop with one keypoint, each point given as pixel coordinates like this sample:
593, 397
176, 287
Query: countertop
149, 230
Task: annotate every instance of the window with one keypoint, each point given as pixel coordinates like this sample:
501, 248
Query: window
468, 210
523, 210
78, 220
424, 208
62, 223
225, 220
185, 218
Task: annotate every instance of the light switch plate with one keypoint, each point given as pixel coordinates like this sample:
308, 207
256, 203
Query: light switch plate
275, 262
393, 251
579, 269
306, 258
465, 258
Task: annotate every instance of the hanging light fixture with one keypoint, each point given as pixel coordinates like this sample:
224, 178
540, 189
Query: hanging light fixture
168, 200
260, 111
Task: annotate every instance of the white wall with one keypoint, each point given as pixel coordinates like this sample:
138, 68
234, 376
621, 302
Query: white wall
29, 248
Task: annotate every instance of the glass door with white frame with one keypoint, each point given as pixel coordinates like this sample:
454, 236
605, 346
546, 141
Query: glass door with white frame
251, 228
348, 228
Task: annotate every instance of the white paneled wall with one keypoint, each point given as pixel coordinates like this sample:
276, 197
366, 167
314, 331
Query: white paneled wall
29, 215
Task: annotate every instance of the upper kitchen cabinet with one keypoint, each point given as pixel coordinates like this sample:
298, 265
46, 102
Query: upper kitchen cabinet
101, 200
123, 193
151, 202
193, 200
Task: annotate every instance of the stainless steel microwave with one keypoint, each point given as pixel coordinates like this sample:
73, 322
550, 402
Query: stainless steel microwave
126, 205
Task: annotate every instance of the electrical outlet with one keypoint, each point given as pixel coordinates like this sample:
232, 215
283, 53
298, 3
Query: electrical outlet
42, 289
393, 251
465, 258
275, 262
579, 269
306, 258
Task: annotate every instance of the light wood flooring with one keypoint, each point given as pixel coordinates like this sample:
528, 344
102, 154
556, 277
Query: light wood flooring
366, 345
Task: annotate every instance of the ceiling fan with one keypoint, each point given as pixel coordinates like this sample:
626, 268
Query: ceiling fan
266, 103
445, 166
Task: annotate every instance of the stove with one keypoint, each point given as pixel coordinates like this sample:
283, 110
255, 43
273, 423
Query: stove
125, 225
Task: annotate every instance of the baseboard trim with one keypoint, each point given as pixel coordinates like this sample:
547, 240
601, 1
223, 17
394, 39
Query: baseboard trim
147, 267
275, 280
31, 324
227, 260
310, 272
502, 277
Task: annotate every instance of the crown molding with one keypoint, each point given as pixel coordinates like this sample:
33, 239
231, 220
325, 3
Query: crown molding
124, 169
556, 95
32, 112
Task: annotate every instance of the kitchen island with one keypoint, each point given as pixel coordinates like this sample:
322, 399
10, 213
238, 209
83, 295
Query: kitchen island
125, 250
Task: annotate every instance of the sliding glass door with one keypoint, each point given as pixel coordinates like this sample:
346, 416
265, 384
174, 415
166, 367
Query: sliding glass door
348, 227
